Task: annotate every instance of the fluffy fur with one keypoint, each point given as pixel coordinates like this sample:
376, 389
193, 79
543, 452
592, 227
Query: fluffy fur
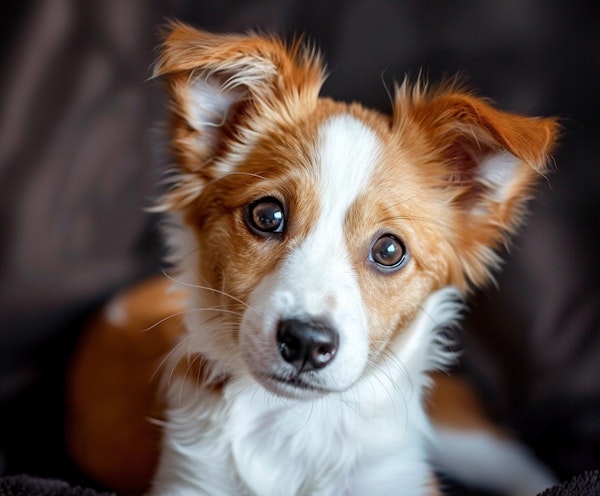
297, 218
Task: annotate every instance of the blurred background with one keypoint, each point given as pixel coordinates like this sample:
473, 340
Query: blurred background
82, 148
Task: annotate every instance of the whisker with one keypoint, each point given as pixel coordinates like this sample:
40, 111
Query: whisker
390, 366
213, 326
205, 288
170, 357
243, 173
419, 218
219, 309
386, 87
393, 217
185, 373
236, 173
401, 202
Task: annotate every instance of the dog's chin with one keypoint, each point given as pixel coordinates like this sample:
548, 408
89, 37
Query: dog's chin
293, 388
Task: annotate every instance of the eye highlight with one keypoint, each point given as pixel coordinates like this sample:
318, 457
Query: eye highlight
388, 253
265, 216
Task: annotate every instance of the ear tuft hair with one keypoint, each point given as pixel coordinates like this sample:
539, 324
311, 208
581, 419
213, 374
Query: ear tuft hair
226, 90
485, 160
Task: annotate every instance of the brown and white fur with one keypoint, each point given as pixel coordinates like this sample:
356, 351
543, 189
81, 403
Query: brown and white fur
322, 248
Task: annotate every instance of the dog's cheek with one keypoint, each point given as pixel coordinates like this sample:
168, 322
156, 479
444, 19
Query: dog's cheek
392, 302
233, 259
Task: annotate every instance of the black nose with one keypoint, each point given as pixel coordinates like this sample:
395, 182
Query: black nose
307, 345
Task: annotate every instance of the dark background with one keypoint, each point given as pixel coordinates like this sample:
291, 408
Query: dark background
82, 148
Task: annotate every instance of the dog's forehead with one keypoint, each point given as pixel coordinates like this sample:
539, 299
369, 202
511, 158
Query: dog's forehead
347, 152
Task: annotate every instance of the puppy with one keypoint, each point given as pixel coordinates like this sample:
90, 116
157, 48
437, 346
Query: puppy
320, 252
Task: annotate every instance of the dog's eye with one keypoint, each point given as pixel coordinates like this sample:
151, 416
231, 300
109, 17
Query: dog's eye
265, 216
388, 252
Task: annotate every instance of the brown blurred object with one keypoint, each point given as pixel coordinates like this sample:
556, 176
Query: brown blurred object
112, 390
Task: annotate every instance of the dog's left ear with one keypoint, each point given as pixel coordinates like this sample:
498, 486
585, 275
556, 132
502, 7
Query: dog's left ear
228, 89
482, 161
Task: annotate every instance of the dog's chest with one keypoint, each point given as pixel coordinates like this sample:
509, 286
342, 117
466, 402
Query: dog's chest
272, 446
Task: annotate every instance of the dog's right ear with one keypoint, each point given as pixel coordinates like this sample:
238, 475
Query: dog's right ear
227, 89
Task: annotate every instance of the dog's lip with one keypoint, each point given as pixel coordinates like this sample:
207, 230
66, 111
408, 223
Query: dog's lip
294, 384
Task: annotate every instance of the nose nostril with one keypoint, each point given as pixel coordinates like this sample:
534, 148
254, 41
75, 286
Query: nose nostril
290, 348
323, 354
307, 345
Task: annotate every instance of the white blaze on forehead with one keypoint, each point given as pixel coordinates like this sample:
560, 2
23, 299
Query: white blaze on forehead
347, 153
319, 270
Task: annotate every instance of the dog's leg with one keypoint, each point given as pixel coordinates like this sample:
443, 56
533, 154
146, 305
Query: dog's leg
471, 449
112, 386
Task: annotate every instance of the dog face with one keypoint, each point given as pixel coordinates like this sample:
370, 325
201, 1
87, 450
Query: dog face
319, 228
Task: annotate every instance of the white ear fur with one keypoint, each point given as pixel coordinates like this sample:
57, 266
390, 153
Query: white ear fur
208, 108
216, 91
498, 172
486, 161
228, 89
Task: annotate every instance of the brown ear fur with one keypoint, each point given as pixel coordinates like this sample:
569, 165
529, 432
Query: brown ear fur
273, 65
226, 90
484, 160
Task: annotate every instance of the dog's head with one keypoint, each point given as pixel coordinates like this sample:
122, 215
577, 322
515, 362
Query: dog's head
321, 227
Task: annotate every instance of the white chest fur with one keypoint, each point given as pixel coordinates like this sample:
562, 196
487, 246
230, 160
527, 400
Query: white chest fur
370, 439
251, 442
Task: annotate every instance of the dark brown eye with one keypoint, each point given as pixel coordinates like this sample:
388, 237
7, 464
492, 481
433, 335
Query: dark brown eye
265, 216
388, 252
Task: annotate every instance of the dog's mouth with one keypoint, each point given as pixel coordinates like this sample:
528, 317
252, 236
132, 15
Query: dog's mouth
293, 387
